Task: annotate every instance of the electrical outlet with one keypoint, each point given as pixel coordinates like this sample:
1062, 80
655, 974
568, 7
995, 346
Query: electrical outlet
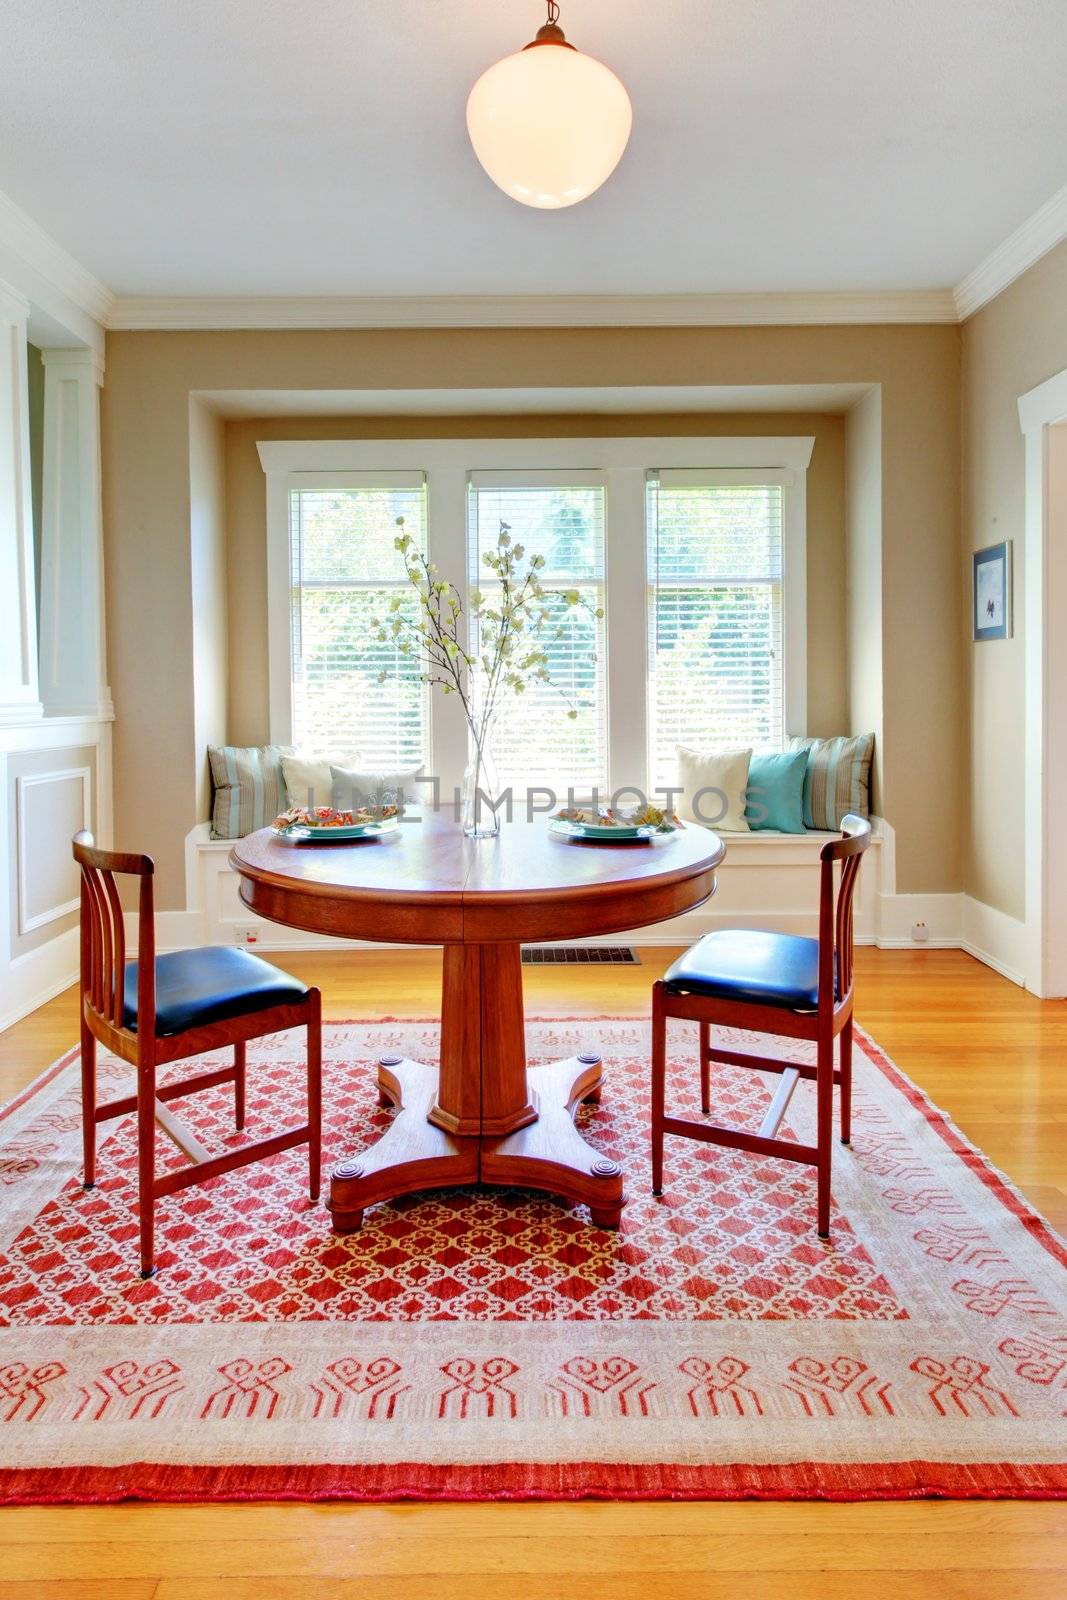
920, 932
246, 934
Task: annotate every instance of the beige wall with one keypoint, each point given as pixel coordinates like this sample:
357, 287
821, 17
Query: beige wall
1010, 346
246, 518
147, 520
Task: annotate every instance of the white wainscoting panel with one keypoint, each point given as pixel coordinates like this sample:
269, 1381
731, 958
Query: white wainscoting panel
55, 778
52, 807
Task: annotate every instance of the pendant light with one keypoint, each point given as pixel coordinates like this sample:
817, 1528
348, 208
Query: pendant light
549, 124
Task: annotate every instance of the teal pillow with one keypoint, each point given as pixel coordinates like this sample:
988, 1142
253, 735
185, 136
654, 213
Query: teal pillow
775, 794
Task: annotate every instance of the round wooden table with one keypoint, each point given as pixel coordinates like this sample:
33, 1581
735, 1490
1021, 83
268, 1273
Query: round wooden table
479, 1118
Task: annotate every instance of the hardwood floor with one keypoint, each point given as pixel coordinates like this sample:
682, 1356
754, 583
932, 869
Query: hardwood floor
990, 1054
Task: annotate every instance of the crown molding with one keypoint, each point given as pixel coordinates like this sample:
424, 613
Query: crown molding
1036, 237
47, 274
32, 256
531, 311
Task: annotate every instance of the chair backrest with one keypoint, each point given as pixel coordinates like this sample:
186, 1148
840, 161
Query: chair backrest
103, 934
835, 920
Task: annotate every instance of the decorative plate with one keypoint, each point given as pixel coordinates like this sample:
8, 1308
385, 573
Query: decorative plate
564, 829
325, 826
609, 828
302, 833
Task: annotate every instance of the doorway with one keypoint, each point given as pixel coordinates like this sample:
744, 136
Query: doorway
1043, 417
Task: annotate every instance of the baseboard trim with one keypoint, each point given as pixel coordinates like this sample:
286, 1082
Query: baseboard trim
991, 961
180, 930
57, 963
906, 942
954, 922
995, 938
883, 918
898, 914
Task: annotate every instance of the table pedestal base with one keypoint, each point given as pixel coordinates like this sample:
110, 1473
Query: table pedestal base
547, 1154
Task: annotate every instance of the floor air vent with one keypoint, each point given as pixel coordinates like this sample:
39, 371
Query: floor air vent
571, 955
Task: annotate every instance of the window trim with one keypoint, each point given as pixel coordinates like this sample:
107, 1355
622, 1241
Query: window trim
625, 461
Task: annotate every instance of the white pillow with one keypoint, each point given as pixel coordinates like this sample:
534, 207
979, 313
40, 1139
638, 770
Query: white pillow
351, 789
713, 784
308, 780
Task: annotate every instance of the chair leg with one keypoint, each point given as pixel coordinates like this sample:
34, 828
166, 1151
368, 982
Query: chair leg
314, 1049
846, 1083
824, 1095
146, 1164
659, 1074
239, 1063
705, 1067
88, 1057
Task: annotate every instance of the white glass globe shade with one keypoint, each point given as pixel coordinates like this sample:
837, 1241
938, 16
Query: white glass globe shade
549, 124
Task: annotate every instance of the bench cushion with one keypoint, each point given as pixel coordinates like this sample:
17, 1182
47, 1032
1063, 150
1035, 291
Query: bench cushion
197, 987
765, 969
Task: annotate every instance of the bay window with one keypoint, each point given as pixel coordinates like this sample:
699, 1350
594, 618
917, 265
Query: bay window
694, 548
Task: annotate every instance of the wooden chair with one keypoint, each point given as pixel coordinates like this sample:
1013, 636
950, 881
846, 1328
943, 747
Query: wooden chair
159, 1009
770, 983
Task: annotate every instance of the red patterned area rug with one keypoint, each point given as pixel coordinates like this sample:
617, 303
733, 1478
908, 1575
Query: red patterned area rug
495, 1345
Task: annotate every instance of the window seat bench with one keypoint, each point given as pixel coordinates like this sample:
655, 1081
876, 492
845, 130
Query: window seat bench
768, 880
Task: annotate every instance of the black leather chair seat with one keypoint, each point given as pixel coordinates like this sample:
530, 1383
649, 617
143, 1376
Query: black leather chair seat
757, 968
197, 987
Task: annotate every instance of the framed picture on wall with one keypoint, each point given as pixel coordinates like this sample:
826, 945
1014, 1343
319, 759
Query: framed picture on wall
992, 592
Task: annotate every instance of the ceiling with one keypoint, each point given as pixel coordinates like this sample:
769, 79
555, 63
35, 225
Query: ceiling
318, 147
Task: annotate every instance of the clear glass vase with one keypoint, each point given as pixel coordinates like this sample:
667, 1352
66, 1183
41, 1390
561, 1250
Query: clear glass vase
480, 791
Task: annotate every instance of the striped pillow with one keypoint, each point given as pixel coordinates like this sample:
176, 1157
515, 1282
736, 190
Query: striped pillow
249, 788
837, 779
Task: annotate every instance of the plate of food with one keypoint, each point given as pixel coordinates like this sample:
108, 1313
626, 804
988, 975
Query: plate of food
614, 827
324, 825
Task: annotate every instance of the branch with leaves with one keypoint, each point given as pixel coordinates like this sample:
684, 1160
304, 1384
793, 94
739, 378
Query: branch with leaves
511, 623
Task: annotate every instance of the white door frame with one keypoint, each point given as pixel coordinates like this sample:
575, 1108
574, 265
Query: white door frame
1045, 588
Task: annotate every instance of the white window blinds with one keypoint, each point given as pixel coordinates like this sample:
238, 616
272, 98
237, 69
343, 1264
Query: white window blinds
345, 570
560, 517
715, 614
